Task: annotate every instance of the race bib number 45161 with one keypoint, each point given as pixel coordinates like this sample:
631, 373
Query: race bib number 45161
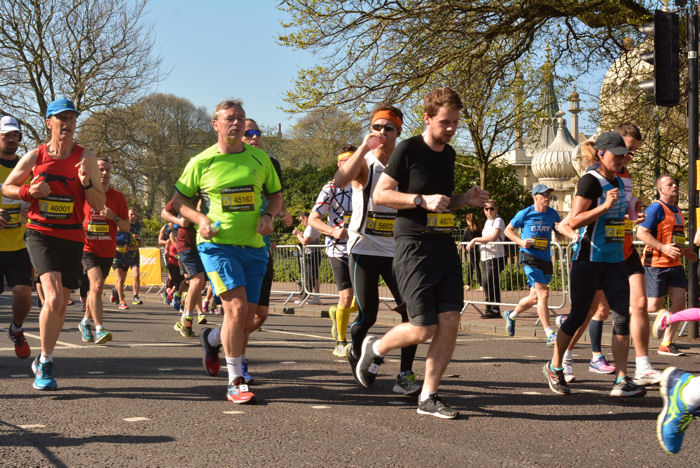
238, 199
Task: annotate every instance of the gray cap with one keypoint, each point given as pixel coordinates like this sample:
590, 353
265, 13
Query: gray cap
611, 141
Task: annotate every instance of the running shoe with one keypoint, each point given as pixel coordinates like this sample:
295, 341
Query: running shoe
238, 392
210, 358
660, 323
123, 306
368, 364
676, 414
339, 349
164, 296
86, 332
202, 319
334, 323
353, 360
670, 350
627, 388
569, 371
22, 349
648, 376
178, 325
556, 380
510, 323
186, 327
560, 319
600, 365
103, 336
406, 384
434, 406
177, 302
43, 380
114, 299
551, 339
70, 301
246, 376
137, 301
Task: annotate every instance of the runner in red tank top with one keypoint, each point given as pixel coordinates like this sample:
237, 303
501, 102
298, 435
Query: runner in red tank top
64, 176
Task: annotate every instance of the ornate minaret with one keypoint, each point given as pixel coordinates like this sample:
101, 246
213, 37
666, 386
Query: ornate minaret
574, 109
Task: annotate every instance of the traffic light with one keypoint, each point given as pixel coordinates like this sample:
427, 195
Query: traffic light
664, 58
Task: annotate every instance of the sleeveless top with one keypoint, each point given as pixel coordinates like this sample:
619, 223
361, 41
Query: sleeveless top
371, 230
60, 213
602, 241
671, 230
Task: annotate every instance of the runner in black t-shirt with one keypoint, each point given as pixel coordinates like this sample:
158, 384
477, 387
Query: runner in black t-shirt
418, 182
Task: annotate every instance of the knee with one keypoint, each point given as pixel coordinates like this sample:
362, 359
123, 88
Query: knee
621, 323
424, 333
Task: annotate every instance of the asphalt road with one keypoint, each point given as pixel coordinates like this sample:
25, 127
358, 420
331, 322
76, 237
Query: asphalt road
144, 400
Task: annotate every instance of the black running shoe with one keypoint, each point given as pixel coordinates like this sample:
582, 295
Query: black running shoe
434, 406
556, 380
368, 364
627, 388
210, 358
353, 360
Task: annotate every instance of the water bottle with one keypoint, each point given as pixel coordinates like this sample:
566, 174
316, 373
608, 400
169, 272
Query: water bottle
216, 227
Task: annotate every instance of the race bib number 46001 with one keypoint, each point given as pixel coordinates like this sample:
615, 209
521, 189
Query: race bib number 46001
238, 199
56, 207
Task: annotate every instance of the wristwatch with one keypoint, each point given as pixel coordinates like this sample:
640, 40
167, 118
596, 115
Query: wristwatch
418, 201
116, 219
88, 186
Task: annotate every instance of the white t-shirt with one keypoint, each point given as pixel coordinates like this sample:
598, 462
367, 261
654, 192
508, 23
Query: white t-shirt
489, 251
312, 234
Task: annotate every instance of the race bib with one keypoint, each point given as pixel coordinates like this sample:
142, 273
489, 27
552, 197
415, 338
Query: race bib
678, 236
615, 230
380, 224
440, 222
628, 227
238, 199
14, 218
56, 207
97, 228
539, 243
347, 216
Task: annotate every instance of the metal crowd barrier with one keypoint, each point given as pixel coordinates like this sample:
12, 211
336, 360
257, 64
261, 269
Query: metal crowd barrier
287, 279
512, 281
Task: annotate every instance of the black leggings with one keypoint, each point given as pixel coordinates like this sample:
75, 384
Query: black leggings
586, 278
365, 271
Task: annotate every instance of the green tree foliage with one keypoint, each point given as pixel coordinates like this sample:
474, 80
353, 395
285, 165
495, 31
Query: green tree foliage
149, 144
95, 52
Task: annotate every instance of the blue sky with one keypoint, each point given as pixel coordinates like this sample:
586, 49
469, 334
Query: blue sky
218, 49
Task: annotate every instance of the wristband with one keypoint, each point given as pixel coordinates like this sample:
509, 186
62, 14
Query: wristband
24, 194
268, 214
88, 186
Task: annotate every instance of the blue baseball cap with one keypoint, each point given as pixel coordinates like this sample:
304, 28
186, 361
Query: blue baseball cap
60, 105
540, 188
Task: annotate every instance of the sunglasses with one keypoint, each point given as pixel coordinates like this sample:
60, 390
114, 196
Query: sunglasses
387, 127
251, 133
489, 208
545, 194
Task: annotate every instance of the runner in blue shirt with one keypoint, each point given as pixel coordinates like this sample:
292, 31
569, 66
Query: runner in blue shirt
536, 224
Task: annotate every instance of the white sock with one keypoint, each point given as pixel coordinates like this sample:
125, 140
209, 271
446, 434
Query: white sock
548, 331
85, 321
235, 368
99, 328
568, 355
184, 315
374, 348
214, 337
691, 393
43, 357
424, 396
642, 362
513, 315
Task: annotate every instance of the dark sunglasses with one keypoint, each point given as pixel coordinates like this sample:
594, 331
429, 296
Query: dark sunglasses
387, 127
251, 133
489, 208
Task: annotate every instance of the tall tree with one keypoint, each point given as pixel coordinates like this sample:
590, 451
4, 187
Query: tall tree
98, 53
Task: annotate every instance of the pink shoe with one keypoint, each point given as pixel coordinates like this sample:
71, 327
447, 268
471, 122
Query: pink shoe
123, 306
601, 366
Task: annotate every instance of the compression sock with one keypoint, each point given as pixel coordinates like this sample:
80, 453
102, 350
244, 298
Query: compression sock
408, 354
214, 337
595, 329
235, 368
353, 306
342, 317
687, 315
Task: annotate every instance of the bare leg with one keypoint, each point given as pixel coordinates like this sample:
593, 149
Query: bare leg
53, 313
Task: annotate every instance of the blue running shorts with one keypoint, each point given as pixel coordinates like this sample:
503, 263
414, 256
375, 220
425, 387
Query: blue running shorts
231, 266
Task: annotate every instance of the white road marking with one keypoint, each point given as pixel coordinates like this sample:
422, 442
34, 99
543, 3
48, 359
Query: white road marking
234, 412
586, 390
136, 419
282, 332
396, 403
95, 372
166, 369
30, 426
19, 376
532, 393
320, 407
288, 362
487, 357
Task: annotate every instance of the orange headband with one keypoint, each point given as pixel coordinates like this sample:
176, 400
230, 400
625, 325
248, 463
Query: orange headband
387, 114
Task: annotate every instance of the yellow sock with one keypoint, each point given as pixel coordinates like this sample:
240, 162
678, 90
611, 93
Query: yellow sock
353, 305
665, 343
342, 316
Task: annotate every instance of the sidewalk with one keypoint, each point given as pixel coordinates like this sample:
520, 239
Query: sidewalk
471, 321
